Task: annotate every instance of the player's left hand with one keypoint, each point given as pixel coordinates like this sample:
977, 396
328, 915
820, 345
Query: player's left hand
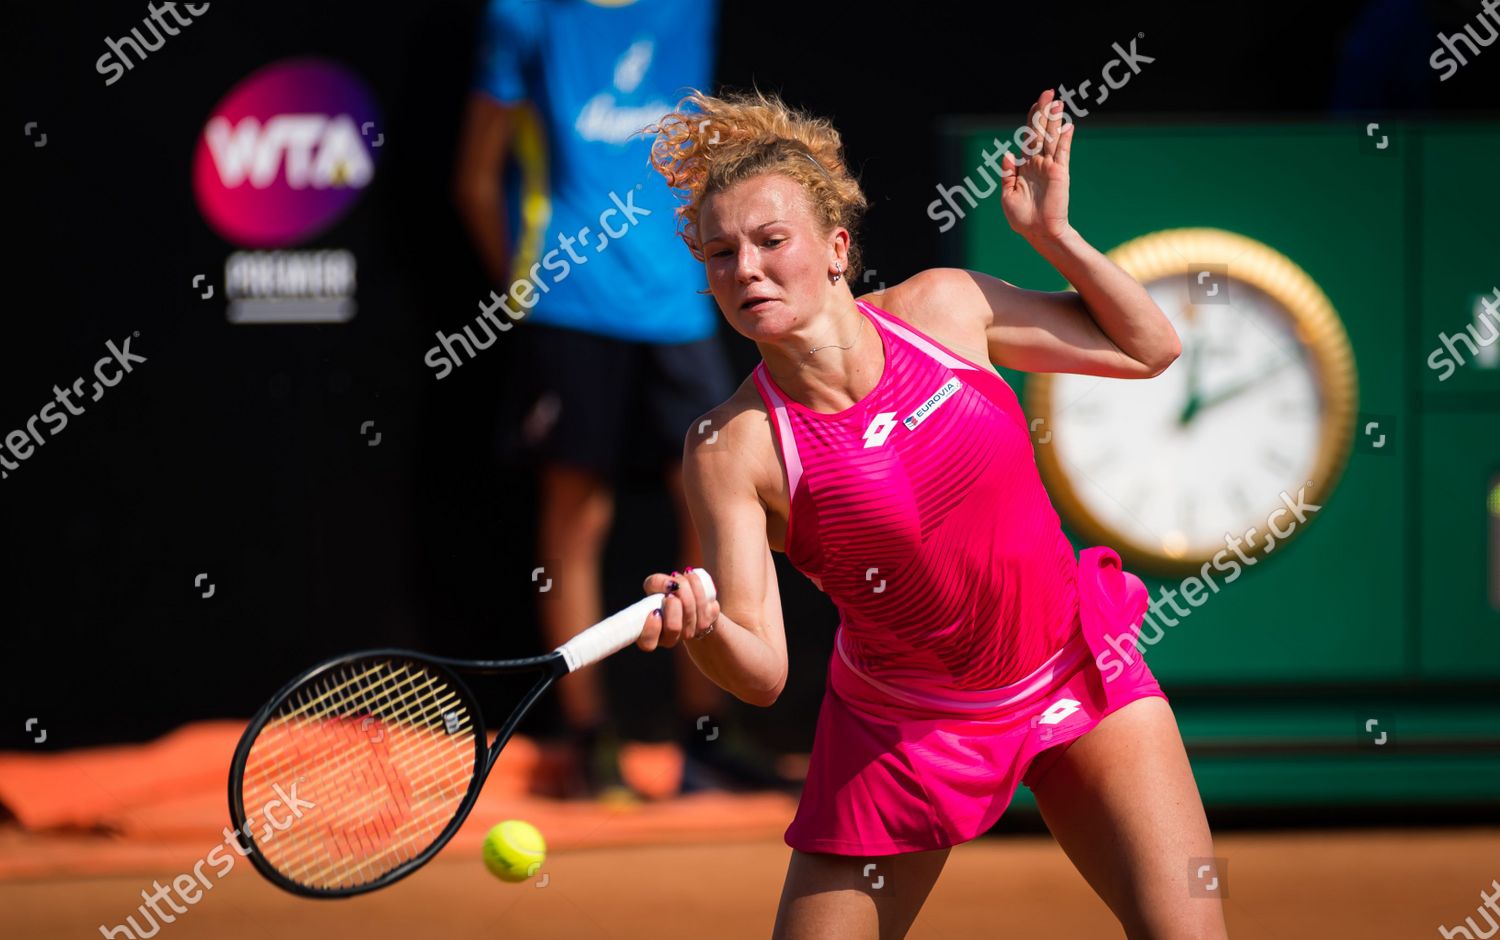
1034, 193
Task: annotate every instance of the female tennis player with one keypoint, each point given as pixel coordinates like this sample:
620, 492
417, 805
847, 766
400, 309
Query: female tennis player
878, 448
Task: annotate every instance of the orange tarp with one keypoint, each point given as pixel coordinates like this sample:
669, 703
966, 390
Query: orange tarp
165, 802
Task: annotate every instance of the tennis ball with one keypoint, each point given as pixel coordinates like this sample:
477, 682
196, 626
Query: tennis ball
514, 850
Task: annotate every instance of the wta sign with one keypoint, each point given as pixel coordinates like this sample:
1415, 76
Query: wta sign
286, 153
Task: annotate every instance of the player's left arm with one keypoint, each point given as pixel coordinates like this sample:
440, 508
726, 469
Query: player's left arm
1108, 325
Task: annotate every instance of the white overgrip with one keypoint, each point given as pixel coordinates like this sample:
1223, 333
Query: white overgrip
620, 629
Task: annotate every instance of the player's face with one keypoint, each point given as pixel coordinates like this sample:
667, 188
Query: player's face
767, 260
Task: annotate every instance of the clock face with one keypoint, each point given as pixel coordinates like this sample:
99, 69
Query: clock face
1205, 448
1260, 404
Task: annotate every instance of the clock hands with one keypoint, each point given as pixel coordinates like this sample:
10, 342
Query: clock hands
1194, 354
1200, 403
1195, 349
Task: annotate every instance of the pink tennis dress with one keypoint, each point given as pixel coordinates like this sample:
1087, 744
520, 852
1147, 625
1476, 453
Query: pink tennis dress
966, 656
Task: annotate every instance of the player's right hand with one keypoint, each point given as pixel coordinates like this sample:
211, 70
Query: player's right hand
685, 611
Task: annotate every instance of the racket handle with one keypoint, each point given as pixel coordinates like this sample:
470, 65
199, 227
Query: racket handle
619, 630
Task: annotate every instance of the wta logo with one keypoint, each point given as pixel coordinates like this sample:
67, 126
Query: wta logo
286, 153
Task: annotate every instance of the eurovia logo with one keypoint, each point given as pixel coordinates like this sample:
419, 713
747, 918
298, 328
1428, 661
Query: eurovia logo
281, 159
933, 401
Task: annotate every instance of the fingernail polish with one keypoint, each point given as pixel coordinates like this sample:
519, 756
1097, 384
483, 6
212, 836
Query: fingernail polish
671, 585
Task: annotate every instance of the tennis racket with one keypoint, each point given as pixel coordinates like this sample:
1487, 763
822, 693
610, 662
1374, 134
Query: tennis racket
362, 768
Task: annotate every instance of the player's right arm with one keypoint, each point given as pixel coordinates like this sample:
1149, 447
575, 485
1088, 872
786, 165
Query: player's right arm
746, 652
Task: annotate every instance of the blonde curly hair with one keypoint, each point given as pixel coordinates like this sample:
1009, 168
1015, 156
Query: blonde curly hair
709, 144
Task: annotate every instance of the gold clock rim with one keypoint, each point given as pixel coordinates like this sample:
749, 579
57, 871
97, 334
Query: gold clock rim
1165, 253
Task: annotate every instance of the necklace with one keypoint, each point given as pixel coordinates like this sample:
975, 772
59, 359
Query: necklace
816, 348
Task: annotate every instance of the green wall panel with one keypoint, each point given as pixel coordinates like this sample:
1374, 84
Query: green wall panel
1460, 262
1329, 604
1458, 629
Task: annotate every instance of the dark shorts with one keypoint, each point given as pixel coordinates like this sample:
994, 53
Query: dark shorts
605, 404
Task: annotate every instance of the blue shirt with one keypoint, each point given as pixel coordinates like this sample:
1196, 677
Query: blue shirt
591, 221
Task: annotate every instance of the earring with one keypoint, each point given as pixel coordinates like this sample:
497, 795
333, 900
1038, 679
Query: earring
838, 275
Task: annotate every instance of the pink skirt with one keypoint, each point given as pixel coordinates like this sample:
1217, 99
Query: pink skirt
900, 770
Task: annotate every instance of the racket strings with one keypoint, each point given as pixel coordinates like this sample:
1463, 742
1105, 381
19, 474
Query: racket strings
382, 794
392, 790
406, 701
376, 796
377, 756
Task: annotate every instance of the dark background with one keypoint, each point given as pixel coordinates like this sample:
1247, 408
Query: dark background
235, 450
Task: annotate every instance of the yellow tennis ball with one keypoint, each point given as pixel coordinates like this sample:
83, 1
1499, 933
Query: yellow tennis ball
514, 850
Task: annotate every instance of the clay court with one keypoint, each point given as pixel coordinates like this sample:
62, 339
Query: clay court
1370, 884
706, 865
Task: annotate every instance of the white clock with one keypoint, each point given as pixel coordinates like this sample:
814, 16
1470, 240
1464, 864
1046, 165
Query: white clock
1261, 403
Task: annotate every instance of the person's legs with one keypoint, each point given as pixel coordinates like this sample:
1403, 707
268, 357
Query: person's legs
566, 418
576, 509
849, 897
1122, 803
